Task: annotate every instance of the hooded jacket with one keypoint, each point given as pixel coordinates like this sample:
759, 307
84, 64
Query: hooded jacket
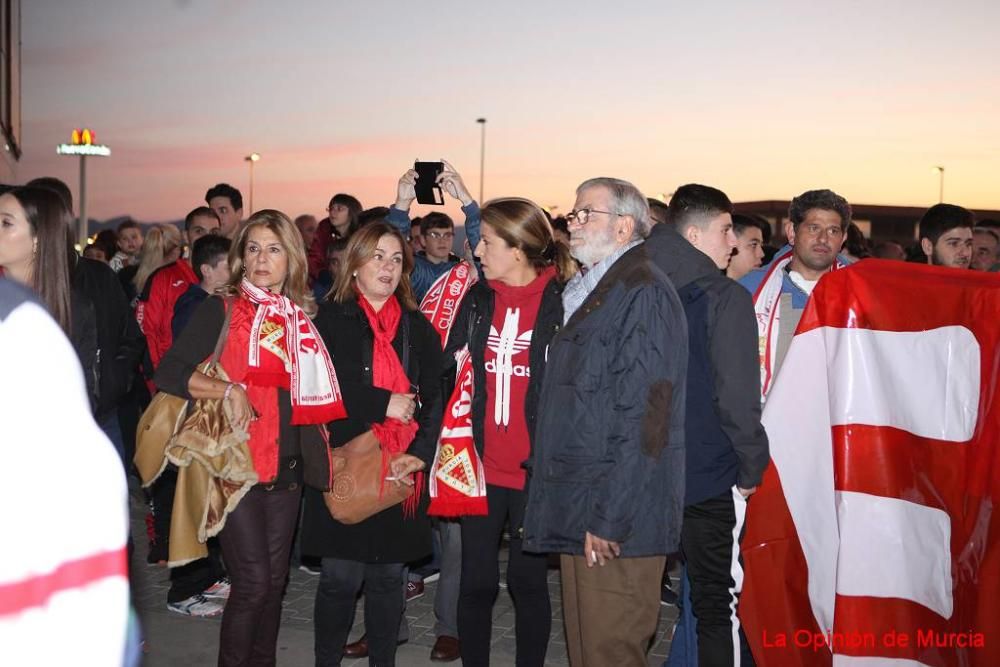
725, 442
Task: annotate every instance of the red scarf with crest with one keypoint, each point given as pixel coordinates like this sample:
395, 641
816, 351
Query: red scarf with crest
457, 480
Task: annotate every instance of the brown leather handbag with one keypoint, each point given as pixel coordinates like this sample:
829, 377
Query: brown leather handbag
357, 482
357, 491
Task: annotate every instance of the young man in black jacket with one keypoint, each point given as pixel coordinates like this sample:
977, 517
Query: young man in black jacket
725, 443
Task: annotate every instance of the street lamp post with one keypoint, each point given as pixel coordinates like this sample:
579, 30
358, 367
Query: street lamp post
252, 159
482, 158
940, 170
83, 143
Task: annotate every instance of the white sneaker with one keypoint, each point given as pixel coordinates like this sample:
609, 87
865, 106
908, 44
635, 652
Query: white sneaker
219, 590
196, 605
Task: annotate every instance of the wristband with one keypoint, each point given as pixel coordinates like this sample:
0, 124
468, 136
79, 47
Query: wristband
229, 388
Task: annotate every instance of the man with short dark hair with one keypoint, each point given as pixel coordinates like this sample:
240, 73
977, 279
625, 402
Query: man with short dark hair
725, 444
889, 250
703, 216
658, 211
750, 232
607, 483
328, 277
129, 245
984, 247
945, 234
198, 223
816, 230
993, 226
227, 202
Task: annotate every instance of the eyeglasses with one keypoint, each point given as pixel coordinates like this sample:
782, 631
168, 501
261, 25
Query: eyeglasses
582, 216
440, 235
813, 230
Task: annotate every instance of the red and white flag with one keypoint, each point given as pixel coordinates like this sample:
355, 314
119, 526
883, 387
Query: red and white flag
873, 539
457, 479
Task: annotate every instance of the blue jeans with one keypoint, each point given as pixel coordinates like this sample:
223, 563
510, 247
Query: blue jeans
684, 646
113, 430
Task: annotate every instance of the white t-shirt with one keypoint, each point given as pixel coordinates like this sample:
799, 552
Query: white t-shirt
805, 285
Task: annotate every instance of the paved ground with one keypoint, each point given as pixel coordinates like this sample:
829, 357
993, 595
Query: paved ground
172, 639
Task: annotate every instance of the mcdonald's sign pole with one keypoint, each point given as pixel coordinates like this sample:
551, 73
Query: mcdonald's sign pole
252, 159
83, 143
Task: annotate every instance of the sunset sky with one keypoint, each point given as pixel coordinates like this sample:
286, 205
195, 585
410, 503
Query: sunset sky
762, 99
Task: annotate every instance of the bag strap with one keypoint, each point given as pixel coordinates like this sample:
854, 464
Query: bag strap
220, 344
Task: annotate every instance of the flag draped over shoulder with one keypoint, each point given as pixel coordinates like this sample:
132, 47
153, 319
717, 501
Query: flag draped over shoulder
873, 539
457, 480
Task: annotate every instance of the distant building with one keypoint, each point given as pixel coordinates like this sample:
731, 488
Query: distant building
879, 223
10, 89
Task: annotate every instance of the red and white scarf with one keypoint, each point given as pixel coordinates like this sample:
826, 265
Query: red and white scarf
766, 305
388, 373
315, 392
440, 304
457, 480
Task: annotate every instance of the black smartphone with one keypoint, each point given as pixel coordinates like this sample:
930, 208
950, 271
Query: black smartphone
427, 188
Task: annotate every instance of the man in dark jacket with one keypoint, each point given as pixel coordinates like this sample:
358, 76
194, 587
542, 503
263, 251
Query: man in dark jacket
607, 480
725, 443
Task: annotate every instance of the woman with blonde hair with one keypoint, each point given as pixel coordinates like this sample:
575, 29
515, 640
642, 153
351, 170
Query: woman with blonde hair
507, 320
281, 384
162, 246
388, 358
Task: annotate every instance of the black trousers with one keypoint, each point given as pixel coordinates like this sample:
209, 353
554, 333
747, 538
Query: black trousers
339, 585
526, 581
710, 539
256, 543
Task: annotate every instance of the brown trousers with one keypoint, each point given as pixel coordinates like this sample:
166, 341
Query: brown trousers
610, 612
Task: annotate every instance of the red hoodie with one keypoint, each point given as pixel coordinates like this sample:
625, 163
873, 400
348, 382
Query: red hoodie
508, 371
155, 308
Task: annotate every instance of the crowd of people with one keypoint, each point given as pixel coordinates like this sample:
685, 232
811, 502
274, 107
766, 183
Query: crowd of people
620, 357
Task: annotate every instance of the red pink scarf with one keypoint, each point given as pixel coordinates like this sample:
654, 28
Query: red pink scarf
315, 392
457, 480
388, 373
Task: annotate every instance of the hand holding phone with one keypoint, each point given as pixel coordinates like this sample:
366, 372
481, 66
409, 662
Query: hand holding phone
427, 189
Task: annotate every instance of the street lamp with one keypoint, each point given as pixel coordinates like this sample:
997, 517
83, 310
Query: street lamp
940, 170
83, 143
252, 159
482, 158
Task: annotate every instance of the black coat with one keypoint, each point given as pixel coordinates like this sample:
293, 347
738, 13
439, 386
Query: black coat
120, 342
387, 537
724, 439
472, 326
609, 442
